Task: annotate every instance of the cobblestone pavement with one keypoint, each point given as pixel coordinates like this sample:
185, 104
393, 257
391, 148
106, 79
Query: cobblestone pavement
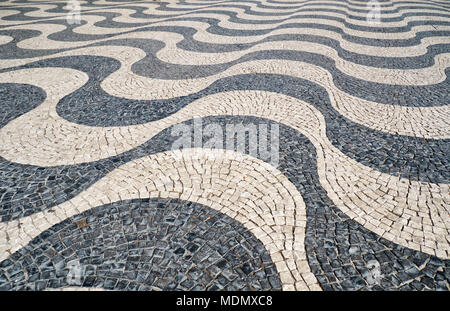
133, 141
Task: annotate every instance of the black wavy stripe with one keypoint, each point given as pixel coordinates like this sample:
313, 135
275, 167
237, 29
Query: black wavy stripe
151, 66
409, 157
12, 51
21, 98
341, 253
232, 17
27, 189
143, 244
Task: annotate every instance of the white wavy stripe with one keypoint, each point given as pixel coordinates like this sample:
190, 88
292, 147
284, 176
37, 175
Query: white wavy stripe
158, 88
90, 28
46, 16
286, 10
433, 120
41, 137
302, 10
423, 76
411, 34
342, 177
43, 7
409, 213
289, 10
273, 211
397, 5
171, 54
125, 83
224, 22
357, 5
42, 42
346, 180
5, 39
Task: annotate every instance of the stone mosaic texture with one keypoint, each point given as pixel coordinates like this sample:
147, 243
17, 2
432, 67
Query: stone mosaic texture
94, 195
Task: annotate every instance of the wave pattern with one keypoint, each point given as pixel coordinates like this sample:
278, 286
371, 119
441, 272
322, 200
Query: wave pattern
93, 177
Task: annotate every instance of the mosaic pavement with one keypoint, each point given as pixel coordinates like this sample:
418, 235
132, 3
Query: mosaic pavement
94, 193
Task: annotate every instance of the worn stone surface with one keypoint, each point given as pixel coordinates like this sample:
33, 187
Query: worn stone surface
157, 244
359, 198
